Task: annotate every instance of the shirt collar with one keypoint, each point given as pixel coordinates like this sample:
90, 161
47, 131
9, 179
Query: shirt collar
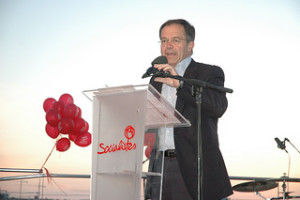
182, 65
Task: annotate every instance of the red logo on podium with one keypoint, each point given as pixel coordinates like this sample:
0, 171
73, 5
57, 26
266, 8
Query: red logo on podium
129, 133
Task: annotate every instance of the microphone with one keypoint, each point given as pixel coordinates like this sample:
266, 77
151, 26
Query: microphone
280, 144
153, 71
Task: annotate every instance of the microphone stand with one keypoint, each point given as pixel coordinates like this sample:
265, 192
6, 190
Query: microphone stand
289, 164
197, 89
286, 139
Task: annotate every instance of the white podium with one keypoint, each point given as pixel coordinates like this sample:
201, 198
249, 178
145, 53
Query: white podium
121, 117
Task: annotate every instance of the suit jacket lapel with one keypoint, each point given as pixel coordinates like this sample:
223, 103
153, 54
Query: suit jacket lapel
191, 70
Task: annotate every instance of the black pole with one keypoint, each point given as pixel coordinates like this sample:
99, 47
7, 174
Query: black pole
198, 95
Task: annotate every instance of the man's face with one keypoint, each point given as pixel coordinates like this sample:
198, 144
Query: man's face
174, 45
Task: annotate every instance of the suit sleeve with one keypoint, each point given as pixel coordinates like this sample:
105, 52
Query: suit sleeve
214, 103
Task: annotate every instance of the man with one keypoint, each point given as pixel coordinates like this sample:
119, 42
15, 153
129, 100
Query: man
180, 180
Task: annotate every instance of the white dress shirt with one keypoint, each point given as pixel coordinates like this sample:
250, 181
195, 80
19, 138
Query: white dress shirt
166, 138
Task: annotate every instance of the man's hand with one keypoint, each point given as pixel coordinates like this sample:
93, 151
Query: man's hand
169, 81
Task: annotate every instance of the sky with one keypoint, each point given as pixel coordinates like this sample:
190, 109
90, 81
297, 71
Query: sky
48, 48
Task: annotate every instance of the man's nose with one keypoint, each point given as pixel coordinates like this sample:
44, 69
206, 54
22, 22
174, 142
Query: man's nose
170, 44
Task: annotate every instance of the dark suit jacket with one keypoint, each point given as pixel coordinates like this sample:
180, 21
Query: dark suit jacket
216, 183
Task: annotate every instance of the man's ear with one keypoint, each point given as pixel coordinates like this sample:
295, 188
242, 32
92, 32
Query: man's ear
191, 46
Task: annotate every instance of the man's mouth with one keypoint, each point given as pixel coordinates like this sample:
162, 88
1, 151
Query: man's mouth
170, 54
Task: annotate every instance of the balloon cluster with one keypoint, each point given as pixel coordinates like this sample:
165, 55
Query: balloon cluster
64, 119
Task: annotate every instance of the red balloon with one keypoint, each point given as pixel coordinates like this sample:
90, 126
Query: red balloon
66, 99
73, 136
53, 117
63, 144
148, 151
86, 127
149, 141
79, 125
51, 131
48, 103
59, 106
71, 111
84, 139
79, 112
65, 125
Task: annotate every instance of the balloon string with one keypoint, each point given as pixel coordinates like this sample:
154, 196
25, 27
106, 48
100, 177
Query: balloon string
47, 158
49, 178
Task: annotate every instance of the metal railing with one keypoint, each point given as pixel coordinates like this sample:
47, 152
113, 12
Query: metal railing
40, 173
